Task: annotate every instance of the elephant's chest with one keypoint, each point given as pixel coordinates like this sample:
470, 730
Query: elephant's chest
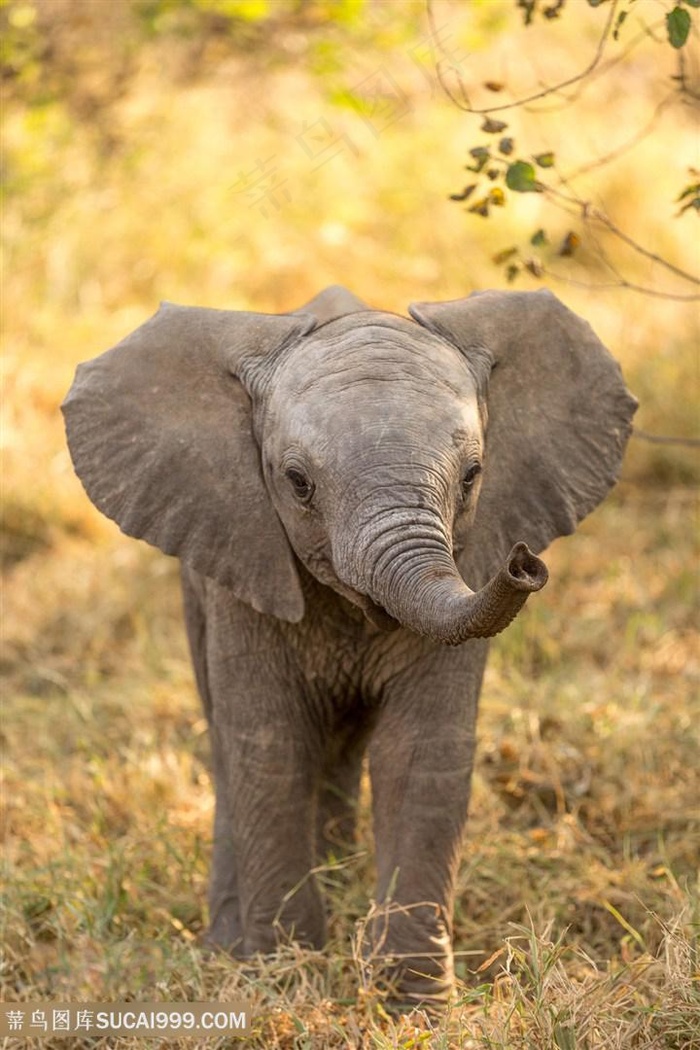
348, 662
332, 659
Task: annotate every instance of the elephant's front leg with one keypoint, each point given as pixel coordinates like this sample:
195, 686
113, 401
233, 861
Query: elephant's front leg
271, 789
267, 777
225, 926
421, 765
225, 930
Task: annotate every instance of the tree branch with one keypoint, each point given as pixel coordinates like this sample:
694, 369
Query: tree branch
664, 439
607, 158
544, 93
602, 69
590, 213
622, 282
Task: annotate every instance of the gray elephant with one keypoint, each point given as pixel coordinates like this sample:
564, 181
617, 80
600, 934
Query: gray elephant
334, 481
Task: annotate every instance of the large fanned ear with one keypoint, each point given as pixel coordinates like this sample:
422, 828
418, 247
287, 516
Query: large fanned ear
160, 434
333, 302
559, 417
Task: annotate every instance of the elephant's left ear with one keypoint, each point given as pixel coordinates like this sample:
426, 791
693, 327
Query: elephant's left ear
160, 432
559, 417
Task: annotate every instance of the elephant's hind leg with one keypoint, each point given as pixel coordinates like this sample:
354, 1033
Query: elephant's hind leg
339, 790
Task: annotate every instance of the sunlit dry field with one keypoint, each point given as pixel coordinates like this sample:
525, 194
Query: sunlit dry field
577, 920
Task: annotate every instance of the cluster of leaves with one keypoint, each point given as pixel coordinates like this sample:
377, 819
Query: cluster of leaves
551, 9
498, 169
493, 164
678, 19
516, 258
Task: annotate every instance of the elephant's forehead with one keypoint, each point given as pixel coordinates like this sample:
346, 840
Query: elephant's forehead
377, 382
389, 355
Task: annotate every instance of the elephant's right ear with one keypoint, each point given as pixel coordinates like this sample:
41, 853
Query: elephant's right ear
160, 434
559, 417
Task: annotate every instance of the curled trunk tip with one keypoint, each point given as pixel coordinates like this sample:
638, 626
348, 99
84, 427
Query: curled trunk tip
489, 611
527, 571
433, 600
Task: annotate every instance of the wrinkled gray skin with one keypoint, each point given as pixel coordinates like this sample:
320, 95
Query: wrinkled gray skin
335, 481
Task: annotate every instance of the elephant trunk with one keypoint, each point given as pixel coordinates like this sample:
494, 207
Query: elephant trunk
438, 603
419, 586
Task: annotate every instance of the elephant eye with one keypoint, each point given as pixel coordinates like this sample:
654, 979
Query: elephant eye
303, 488
469, 477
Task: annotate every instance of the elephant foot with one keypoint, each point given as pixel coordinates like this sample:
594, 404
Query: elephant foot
225, 932
408, 957
405, 987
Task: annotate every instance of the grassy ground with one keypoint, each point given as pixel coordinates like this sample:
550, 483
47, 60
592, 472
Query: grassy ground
578, 911
578, 905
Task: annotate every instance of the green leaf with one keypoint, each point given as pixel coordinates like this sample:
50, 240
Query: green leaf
521, 178
691, 196
504, 255
691, 3
512, 272
528, 8
553, 10
569, 245
538, 238
678, 26
618, 23
534, 266
481, 155
481, 207
466, 192
492, 127
545, 160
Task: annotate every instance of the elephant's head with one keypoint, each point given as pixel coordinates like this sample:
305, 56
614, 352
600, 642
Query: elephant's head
396, 458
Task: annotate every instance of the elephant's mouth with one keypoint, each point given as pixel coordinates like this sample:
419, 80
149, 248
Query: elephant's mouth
377, 615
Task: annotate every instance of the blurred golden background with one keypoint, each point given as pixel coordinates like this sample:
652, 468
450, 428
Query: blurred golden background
243, 154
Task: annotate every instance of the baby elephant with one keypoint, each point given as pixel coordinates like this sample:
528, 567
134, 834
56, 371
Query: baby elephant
357, 500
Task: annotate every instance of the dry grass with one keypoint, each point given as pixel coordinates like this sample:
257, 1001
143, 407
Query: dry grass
577, 919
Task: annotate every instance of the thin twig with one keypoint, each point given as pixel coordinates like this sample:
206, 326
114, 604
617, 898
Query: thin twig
544, 93
602, 218
630, 144
629, 286
589, 212
682, 79
602, 70
664, 439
